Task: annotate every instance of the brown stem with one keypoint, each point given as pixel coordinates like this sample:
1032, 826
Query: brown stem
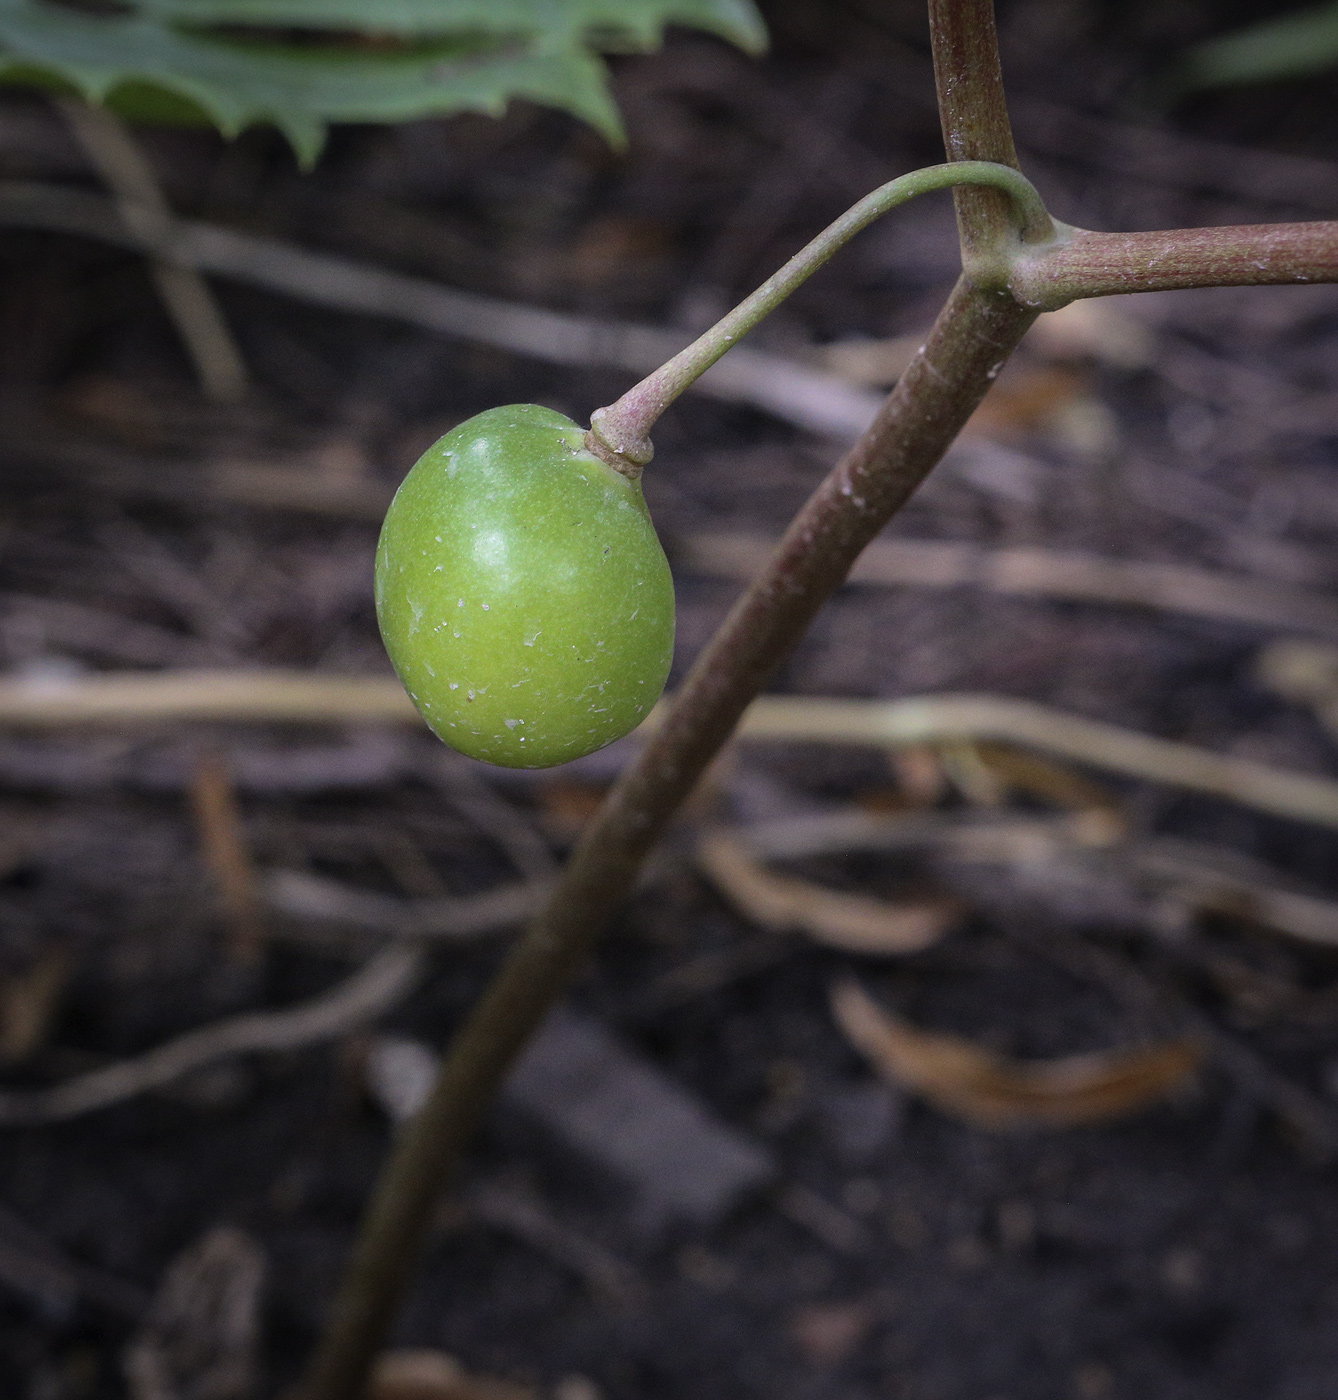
972, 338
1086, 264
973, 112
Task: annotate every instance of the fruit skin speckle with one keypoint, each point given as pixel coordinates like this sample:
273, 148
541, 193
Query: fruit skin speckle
522, 592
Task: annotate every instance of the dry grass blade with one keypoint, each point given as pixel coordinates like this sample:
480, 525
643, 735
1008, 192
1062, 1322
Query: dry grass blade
1202, 879
997, 1092
1055, 783
854, 923
1221, 882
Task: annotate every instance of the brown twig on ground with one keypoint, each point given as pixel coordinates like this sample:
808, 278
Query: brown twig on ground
820, 402
295, 697
998, 1092
384, 980
145, 212
1046, 573
969, 717
853, 922
381, 983
305, 698
448, 918
223, 844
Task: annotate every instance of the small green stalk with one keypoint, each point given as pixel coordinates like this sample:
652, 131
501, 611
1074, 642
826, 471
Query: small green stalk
620, 434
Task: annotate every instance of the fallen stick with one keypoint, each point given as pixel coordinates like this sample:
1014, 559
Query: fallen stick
813, 399
1199, 878
1045, 573
141, 204
382, 982
308, 698
153, 697
936, 718
444, 918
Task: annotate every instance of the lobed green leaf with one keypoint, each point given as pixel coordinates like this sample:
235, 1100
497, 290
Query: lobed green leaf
239, 62
1294, 46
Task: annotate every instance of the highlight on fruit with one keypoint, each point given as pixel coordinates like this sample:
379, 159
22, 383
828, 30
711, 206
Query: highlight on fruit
522, 592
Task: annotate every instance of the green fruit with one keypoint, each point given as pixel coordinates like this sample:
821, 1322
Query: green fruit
522, 592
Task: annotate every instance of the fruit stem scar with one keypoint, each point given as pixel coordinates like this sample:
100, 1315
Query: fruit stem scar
620, 434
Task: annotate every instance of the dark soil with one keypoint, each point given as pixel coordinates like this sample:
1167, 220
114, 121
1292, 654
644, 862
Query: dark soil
1182, 1254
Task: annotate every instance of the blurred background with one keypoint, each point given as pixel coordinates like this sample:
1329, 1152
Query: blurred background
974, 1069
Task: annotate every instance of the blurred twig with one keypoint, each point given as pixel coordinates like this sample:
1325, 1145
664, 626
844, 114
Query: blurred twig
522, 1214
999, 1092
256, 696
382, 982
853, 922
1048, 573
223, 842
302, 697
946, 717
144, 210
820, 402
900, 563
449, 918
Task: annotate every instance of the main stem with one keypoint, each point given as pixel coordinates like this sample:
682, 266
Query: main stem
971, 339
620, 434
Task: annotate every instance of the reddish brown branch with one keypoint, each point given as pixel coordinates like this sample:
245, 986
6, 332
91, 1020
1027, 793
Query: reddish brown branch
1106, 264
973, 111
